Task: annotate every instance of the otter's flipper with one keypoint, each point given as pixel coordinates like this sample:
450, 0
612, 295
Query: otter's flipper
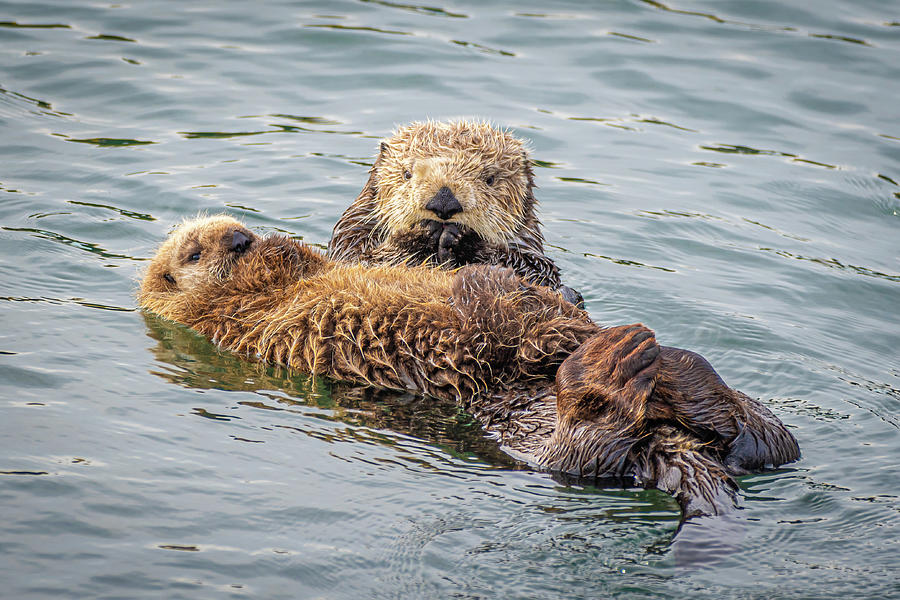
750, 436
614, 422
612, 374
601, 392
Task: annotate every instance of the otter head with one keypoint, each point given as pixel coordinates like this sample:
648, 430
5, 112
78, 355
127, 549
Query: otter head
198, 253
459, 172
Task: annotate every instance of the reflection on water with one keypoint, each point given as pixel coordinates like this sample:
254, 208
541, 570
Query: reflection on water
62, 239
192, 361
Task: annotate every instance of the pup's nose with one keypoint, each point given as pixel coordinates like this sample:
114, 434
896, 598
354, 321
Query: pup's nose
240, 241
444, 204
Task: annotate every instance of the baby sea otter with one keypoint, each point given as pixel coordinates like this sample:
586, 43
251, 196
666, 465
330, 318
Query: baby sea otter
452, 194
558, 390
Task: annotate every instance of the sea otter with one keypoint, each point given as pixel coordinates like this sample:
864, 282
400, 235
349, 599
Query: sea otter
453, 194
559, 391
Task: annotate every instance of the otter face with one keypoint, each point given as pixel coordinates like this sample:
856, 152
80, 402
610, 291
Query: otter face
470, 174
198, 253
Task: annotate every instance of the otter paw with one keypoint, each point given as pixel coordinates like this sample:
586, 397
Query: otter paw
628, 350
433, 230
447, 243
614, 372
572, 296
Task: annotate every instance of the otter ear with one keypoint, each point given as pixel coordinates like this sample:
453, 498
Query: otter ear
528, 167
384, 152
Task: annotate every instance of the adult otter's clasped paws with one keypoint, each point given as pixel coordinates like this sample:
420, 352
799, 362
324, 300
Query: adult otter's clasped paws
447, 244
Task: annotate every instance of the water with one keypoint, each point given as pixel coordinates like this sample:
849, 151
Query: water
725, 172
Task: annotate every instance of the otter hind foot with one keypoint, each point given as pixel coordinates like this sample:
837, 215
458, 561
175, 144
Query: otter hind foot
759, 447
749, 435
612, 373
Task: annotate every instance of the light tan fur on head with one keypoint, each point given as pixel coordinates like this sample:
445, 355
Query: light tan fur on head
487, 169
195, 255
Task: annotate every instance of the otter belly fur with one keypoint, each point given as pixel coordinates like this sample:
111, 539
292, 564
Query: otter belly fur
450, 194
557, 389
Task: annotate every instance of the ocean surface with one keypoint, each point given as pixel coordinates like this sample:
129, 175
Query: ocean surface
727, 173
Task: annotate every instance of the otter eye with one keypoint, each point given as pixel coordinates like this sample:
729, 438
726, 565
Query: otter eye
489, 180
194, 257
407, 174
169, 278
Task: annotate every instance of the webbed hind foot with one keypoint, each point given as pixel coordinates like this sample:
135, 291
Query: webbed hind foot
612, 372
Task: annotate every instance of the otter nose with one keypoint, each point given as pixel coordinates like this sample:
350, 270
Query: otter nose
240, 241
444, 204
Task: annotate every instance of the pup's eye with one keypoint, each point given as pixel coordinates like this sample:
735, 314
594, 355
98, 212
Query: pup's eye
194, 257
169, 278
407, 174
489, 180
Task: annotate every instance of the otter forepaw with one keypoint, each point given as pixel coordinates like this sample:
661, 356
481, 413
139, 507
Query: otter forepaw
572, 296
449, 238
433, 230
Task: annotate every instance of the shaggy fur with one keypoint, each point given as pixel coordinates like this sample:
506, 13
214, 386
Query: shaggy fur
488, 174
557, 389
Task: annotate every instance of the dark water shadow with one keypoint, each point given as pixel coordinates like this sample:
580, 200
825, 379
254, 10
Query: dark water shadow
704, 542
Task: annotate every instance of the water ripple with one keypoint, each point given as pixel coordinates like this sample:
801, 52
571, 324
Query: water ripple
15, 25
106, 142
110, 38
833, 263
91, 247
747, 150
46, 107
420, 9
356, 28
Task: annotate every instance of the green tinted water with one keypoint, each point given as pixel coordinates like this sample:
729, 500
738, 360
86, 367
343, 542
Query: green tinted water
725, 172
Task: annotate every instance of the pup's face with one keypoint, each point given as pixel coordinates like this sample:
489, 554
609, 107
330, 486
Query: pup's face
465, 173
199, 252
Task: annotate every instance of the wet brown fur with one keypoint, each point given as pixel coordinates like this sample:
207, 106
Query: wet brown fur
487, 170
558, 390
662, 415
